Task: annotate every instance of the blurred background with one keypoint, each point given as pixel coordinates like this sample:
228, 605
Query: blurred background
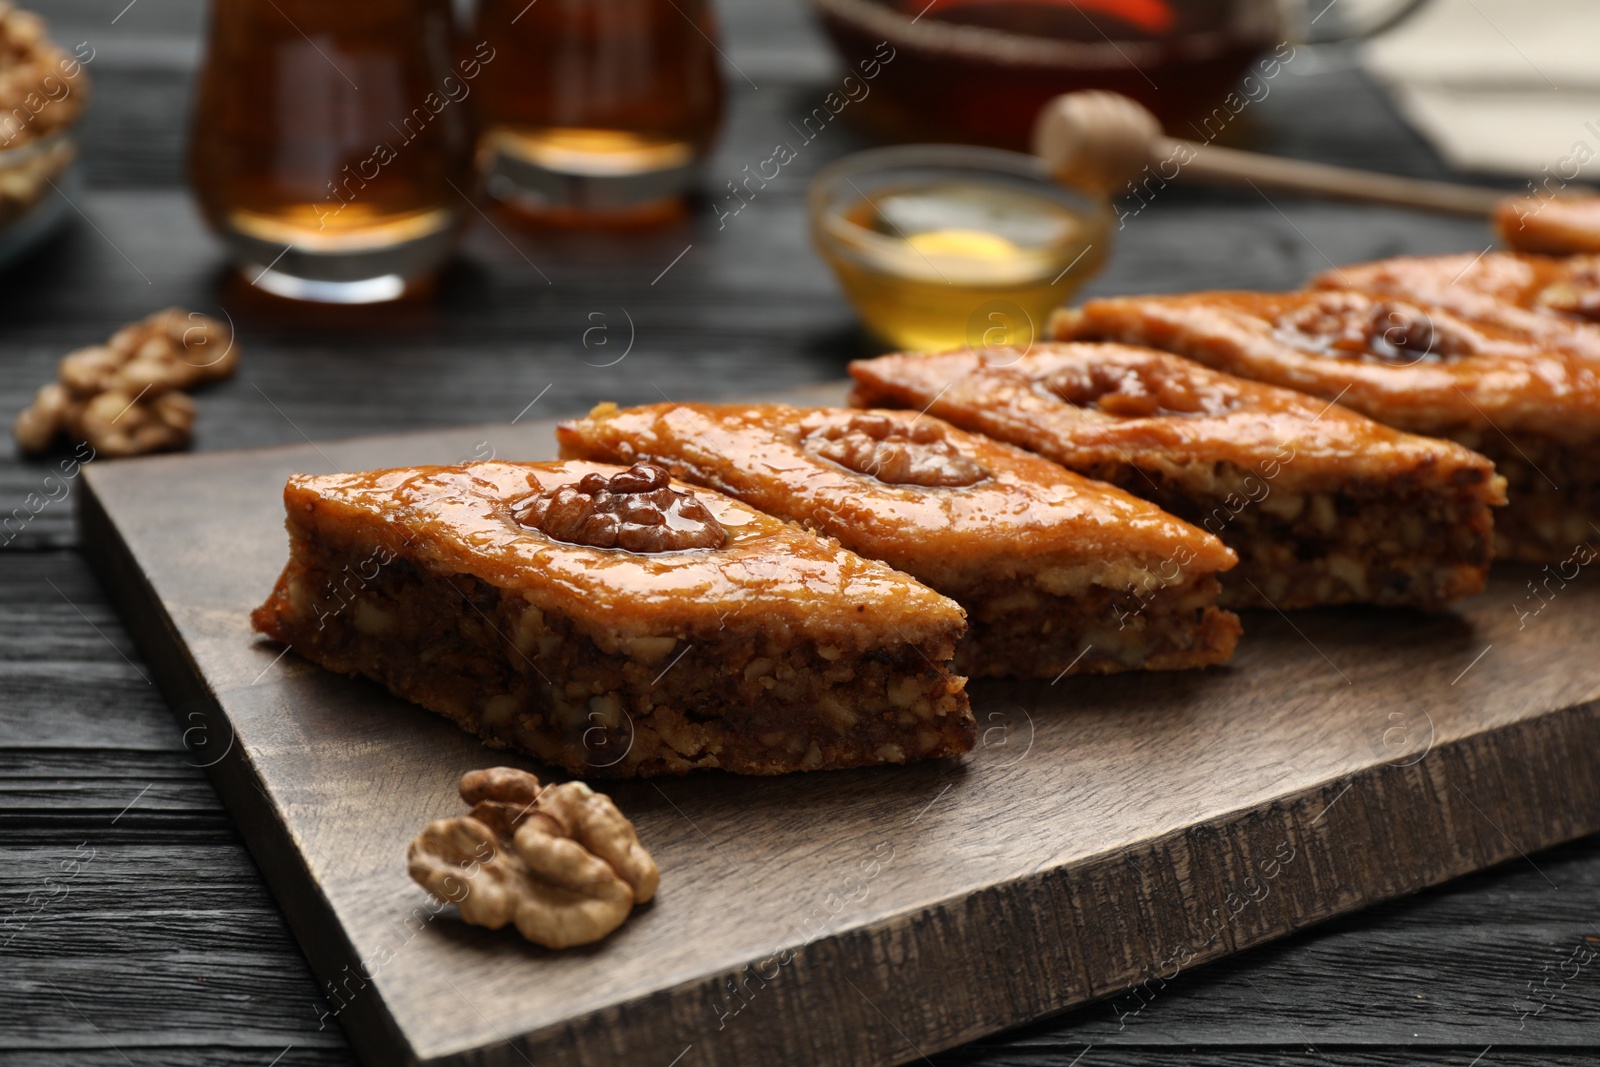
713, 280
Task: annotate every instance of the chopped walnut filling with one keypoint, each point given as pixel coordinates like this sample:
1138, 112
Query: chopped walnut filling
1355, 326
1134, 391
636, 510
894, 451
560, 862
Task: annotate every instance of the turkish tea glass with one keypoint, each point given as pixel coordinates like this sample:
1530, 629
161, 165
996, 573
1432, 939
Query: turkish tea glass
331, 145
597, 110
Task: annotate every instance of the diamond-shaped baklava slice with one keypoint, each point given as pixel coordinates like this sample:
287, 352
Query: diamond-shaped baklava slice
1321, 505
1057, 573
615, 623
1531, 408
1549, 301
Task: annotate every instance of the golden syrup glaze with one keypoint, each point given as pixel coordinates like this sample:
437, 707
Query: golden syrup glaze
1542, 297
1028, 510
1483, 376
769, 575
1295, 440
1562, 225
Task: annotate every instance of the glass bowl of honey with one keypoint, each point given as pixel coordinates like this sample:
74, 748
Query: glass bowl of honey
944, 246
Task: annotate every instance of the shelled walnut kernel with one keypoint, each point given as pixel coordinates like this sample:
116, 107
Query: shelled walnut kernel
125, 397
891, 449
43, 91
559, 862
42, 88
636, 509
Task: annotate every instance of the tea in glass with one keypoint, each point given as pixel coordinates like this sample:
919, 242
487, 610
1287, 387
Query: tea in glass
597, 110
331, 146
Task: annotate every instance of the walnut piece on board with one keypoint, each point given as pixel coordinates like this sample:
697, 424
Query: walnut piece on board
127, 397
561, 863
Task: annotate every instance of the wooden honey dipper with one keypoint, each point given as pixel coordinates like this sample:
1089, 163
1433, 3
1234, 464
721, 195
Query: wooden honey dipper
1102, 142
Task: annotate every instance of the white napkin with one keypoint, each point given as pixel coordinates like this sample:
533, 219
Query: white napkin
1506, 86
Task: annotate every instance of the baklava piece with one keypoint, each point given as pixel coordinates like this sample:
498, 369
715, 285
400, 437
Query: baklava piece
1556, 225
1321, 505
613, 623
1057, 573
1533, 410
1550, 302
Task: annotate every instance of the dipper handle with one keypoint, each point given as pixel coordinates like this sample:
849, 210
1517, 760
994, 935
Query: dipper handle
1101, 141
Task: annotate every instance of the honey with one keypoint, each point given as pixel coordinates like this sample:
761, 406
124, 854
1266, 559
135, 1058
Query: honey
601, 109
331, 144
949, 262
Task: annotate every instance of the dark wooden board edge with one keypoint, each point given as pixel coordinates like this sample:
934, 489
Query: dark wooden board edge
371, 1029
1442, 812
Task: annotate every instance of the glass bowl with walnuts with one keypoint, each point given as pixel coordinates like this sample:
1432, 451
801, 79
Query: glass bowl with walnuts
43, 92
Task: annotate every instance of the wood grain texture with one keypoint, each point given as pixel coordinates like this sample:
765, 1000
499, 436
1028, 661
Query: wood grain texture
1427, 980
1147, 824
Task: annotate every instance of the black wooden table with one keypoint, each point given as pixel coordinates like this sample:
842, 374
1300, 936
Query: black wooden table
135, 928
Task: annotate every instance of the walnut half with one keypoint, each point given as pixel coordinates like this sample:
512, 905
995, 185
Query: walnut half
636, 510
561, 863
893, 450
126, 397
1356, 326
1133, 391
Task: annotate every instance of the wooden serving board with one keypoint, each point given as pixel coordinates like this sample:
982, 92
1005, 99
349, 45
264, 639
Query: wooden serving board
1107, 834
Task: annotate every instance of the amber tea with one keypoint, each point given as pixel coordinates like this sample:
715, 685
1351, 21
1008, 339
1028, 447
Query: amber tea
597, 110
331, 143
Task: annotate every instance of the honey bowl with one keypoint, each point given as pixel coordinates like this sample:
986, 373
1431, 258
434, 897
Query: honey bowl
944, 246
